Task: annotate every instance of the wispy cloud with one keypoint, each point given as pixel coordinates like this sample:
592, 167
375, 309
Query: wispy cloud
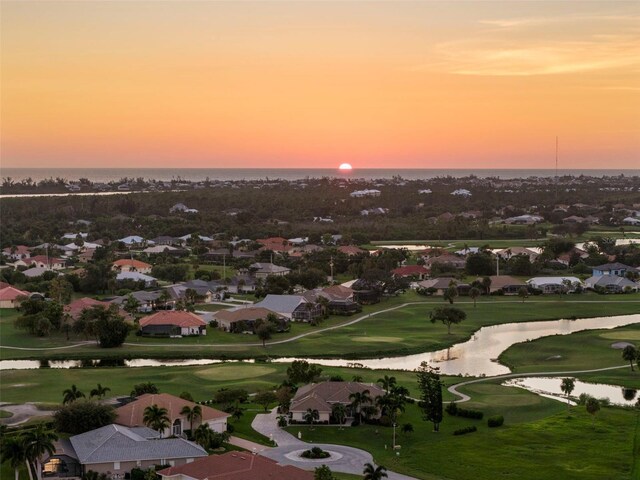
543, 46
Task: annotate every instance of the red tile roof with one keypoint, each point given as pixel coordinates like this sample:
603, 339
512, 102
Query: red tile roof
75, 308
351, 250
19, 250
173, 317
237, 466
127, 262
11, 293
4, 285
131, 414
410, 270
44, 259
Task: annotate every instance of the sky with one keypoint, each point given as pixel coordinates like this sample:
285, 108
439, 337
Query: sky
313, 84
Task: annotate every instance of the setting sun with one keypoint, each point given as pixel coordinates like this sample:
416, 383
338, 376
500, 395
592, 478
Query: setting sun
345, 166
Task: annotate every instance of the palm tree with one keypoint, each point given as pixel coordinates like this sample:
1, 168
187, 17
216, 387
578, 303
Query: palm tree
358, 399
371, 472
37, 442
156, 417
357, 378
474, 293
339, 412
387, 382
629, 354
592, 405
567, 386
202, 435
13, 451
71, 394
99, 391
311, 416
192, 414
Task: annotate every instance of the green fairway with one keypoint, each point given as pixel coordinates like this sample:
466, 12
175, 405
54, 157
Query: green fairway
560, 446
578, 351
401, 331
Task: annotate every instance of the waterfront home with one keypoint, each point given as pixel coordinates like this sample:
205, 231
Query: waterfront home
293, 307
244, 319
507, 284
555, 284
74, 309
616, 268
611, 284
173, 323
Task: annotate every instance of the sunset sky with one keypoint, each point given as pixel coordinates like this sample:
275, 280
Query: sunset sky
391, 84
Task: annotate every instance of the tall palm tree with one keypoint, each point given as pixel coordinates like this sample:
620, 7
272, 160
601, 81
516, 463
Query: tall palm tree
339, 412
387, 382
192, 414
99, 391
71, 394
357, 400
37, 442
157, 418
567, 386
311, 416
13, 451
371, 472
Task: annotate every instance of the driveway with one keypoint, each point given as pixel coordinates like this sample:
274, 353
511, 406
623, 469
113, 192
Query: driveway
343, 459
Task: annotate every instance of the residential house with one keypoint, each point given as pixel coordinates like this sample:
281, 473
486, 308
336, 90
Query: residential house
10, 297
611, 283
240, 319
507, 253
441, 284
461, 192
351, 250
505, 283
631, 221
263, 270
35, 272
417, 272
445, 259
173, 323
203, 290
18, 252
156, 249
181, 207
322, 396
148, 280
555, 284
115, 450
339, 299
365, 193
133, 241
132, 414
523, 220
293, 307
235, 466
275, 244
147, 300
131, 265
366, 292
43, 261
616, 268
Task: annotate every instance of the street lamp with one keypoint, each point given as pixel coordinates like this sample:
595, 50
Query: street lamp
394, 435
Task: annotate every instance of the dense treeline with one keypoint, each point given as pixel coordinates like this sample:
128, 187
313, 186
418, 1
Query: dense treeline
287, 209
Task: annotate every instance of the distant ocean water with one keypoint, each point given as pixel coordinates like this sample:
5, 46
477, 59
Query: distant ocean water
198, 174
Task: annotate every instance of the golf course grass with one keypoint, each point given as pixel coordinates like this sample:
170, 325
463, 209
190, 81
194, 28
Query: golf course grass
560, 446
404, 330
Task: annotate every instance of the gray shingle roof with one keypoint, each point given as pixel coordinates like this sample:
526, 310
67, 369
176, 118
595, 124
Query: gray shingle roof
281, 303
115, 443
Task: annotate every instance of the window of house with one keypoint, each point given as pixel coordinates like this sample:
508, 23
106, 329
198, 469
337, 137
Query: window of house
116, 465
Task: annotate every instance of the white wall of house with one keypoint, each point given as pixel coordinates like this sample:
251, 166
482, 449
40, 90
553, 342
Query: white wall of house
299, 416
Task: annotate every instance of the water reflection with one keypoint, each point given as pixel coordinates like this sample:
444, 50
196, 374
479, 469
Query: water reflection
90, 363
478, 356
550, 387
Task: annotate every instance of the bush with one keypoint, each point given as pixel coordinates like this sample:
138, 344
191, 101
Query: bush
463, 431
385, 421
83, 415
315, 452
453, 410
495, 421
230, 428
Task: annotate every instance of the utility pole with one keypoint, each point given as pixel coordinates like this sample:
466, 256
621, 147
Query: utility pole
331, 265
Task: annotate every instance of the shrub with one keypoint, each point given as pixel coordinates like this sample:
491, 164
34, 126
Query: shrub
315, 452
463, 431
452, 408
83, 415
495, 421
463, 412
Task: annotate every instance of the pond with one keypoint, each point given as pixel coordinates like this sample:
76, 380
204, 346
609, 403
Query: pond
550, 387
478, 356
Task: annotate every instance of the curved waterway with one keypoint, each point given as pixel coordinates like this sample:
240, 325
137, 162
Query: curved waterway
550, 387
476, 357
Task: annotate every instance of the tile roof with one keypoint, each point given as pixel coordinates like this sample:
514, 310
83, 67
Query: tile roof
326, 393
173, 317
237, 466
240, 314
128, 262
131, 414
11, 293
115, 443
409, 270
281, 303
75, 308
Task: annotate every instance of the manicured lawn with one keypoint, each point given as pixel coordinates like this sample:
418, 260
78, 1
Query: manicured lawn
5, 414
403, 331
559, 446
578, 351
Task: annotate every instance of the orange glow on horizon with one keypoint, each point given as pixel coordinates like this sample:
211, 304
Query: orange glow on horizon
316, 84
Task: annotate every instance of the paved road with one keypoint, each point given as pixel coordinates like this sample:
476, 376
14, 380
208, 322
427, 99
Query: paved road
343, 459
465, 398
